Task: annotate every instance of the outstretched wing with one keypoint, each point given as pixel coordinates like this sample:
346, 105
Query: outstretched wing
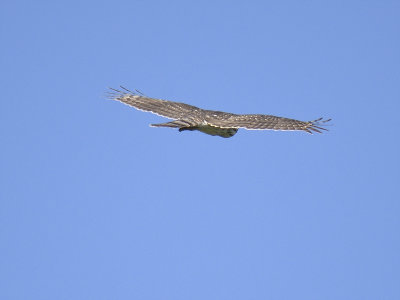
226, 120
168, 109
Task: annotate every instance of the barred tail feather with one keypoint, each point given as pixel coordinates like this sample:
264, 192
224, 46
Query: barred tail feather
173, 124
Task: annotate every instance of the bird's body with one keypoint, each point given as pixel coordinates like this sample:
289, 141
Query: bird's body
189, 117
212, 130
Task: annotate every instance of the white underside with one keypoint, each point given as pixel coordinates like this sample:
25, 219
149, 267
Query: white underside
212, 130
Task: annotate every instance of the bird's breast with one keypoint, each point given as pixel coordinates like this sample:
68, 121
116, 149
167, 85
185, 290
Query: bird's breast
212, 130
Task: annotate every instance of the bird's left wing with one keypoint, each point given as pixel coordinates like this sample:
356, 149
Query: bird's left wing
165, 108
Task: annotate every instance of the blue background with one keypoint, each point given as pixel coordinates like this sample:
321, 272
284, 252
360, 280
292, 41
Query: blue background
95, 204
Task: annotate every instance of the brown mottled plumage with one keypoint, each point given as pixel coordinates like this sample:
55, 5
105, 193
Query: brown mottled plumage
188, 117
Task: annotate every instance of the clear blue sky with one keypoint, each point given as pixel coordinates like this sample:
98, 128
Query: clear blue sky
95, 204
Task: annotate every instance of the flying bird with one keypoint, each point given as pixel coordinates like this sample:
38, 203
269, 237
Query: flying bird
189, 117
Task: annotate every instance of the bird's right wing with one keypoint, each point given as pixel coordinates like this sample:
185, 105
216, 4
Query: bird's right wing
165, 108
263, 122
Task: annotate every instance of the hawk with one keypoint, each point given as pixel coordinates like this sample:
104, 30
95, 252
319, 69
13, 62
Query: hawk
223, 124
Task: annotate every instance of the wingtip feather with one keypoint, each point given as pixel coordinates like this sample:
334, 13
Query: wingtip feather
316, 125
